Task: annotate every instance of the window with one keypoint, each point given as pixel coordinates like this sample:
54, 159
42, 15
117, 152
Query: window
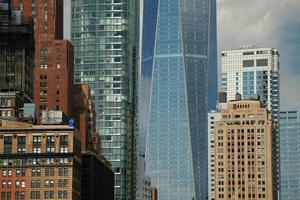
7, 145
21, 144
261, 62
35, 195
4, 172
3, 184
248, 63
63, 140
248, 53
23, 184
63, 149
62, 194
18, 183
49, 171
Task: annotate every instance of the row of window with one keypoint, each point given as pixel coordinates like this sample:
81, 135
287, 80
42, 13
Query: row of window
8, 195
61, 194
18, 184
21, 144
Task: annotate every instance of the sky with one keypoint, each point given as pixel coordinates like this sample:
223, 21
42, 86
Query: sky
266, 23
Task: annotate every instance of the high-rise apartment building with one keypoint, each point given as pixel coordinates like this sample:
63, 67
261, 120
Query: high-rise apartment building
174, 95
103, 34
252, 71
245, 146
39, 161
289, 155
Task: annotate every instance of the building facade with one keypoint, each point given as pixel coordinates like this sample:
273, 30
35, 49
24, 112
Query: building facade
289, 155
39, 161
245, 146
213, 117
143, 181
252, 71
53, 72
175, 71
97, 178
16, 54
103, 34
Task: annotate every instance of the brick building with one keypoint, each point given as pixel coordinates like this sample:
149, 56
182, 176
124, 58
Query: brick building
39, 161
245, 155
84, 115
53, 72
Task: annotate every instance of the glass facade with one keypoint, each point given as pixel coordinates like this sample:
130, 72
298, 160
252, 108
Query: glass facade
103, 35
175, 61
290, 155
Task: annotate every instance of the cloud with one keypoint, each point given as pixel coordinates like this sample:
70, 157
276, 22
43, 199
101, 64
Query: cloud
267, 23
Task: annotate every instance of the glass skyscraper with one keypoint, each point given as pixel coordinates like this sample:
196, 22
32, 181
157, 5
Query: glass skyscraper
252, 71
174, 95
290, 155
103, 34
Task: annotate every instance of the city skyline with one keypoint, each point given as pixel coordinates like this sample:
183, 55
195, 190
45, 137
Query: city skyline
149, 99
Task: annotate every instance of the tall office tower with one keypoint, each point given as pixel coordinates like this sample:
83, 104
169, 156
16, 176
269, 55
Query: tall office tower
252, 71
103, 33
175, 70
244, 152
289, 155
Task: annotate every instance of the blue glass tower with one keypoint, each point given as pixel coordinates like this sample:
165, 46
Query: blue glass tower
289, 155
174, 76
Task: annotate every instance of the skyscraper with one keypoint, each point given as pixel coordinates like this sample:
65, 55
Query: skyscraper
289, 155
244, 152
175, 62
252, 71
103, 34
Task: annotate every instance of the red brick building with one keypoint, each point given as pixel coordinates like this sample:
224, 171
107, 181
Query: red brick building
53, 73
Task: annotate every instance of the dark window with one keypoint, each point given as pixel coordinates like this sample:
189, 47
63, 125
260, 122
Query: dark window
7, 144
248, 53
248, 63
261, 62
63, 140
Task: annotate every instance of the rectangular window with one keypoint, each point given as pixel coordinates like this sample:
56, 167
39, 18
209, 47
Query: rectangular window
7, 145
248, 53
248, 63
261, 62
21, 144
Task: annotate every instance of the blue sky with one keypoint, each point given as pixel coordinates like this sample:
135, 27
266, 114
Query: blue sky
267, 23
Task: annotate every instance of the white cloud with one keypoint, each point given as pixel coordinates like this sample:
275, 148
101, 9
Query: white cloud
268, 23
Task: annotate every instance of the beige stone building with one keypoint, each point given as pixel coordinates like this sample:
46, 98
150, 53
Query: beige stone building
244, 151
39, 161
